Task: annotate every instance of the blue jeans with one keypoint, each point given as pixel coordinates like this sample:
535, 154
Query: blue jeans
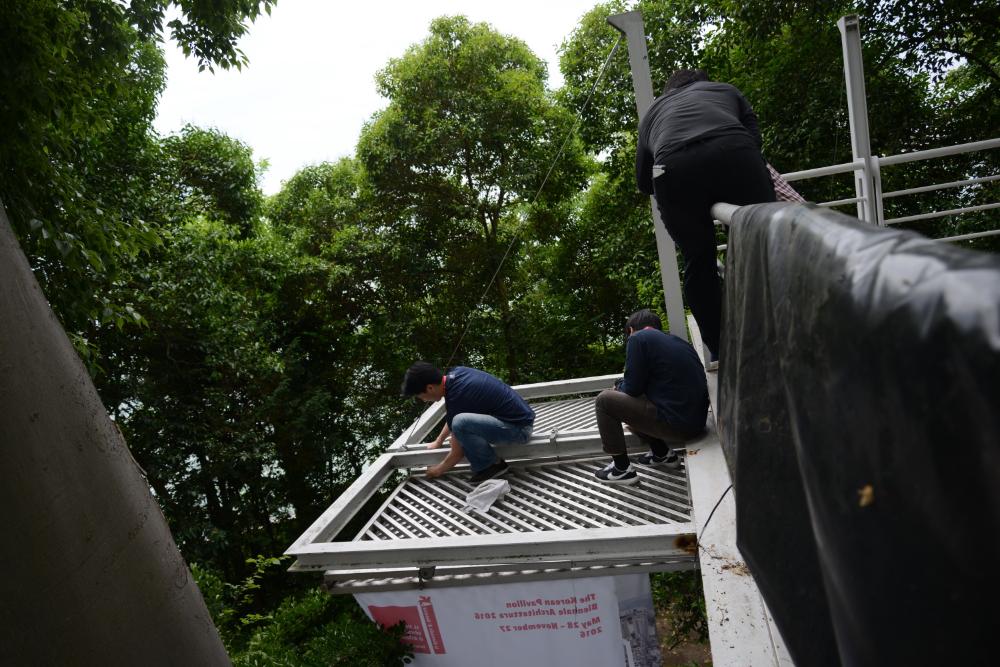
475, 432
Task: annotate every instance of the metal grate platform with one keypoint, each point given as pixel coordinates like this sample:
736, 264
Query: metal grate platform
557, 519
572, 414
552, 496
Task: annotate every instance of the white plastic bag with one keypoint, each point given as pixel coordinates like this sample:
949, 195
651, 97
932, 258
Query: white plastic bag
483, 496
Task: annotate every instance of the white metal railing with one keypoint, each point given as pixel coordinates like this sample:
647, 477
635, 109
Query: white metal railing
874, 173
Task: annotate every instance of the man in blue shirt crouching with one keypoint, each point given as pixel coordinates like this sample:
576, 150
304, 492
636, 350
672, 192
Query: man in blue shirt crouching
663, 398
480, 409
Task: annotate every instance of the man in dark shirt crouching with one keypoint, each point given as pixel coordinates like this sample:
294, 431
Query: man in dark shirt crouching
663, 398
479, 409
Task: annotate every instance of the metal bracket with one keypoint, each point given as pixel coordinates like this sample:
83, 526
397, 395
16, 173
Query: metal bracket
425, 574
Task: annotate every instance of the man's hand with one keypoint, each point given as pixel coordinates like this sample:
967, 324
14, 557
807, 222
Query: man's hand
442, 436
434, 471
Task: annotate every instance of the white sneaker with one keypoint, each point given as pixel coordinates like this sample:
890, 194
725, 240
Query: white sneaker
610, 474
668, 460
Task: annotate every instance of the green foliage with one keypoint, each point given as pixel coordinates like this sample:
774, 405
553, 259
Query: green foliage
319, 630
78, 92
205, 29
453, 164
231, 397
79, 162
935, 37
213, 176
679, 596
307, 628
251, 350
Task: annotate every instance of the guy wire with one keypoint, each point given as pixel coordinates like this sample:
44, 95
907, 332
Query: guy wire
545, 180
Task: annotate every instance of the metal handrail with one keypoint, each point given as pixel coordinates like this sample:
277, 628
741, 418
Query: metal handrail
844, 168
723, 212
945, 151
841, 202
872, 170
974, 235
941, 214
939, 186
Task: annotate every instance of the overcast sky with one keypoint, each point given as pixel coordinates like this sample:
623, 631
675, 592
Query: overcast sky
310, 84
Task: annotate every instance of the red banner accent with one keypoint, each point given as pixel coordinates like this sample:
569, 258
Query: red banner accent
430, 620
414, 635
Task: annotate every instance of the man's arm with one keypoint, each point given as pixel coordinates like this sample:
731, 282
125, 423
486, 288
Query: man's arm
748, 118
445, 432
636, 372
643, 163
454, 456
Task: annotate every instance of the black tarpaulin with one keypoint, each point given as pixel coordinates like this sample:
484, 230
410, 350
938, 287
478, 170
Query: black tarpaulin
860, 415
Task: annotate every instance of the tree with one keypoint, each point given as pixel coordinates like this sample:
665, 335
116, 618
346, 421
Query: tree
78, 86
454, 162
213, 176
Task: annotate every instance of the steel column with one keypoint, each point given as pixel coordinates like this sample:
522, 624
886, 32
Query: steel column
630, 24
857, 111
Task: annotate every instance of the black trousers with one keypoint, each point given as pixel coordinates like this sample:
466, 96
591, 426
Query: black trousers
727, 169
614, 407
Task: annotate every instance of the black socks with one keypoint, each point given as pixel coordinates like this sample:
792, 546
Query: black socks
659, 448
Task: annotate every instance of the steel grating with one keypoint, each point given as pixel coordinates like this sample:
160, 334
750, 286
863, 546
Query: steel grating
556, 512
573, 414
550, 496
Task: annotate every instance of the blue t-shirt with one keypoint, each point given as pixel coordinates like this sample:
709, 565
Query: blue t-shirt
668, 371
471, 390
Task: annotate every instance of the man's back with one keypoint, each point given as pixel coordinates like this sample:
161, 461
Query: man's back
476, 391
668, 371
685, 115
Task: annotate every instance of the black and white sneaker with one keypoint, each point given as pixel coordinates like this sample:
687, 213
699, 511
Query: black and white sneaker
668, 460
610, 474
498, 469
711, 360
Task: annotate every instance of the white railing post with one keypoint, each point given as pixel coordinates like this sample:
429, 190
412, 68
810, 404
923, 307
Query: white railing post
877, 191
630, 24
857, 111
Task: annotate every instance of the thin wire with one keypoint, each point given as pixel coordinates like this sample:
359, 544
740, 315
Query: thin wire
717, 503
545, 180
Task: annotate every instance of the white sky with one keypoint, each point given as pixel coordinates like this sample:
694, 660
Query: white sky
310, 84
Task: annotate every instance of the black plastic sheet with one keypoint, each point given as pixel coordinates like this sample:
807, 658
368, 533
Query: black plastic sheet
860, 416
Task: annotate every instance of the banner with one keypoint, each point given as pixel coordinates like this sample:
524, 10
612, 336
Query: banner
594, 622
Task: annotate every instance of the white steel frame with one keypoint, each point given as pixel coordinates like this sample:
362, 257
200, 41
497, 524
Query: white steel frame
867, 168
741, 629
630, 24
669, 543
877, 163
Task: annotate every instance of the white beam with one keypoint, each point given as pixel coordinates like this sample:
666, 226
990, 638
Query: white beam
630, 24
578, 546
857, 112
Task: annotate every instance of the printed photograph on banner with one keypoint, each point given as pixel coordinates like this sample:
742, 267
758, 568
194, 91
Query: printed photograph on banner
638, 621
569, 621
414, 635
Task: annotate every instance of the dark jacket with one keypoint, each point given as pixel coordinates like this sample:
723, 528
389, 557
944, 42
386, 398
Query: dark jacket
668, 371
471, 390
682, 116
